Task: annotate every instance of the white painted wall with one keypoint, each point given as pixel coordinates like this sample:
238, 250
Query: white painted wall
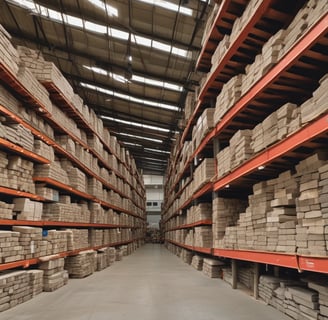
150, 179
154, 194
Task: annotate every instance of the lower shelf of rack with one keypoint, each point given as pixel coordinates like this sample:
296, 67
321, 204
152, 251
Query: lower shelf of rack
9, 222
29, 262
288, 260
198, 249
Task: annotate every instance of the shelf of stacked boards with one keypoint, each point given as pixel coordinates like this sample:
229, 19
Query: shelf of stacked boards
246, 191
72, 200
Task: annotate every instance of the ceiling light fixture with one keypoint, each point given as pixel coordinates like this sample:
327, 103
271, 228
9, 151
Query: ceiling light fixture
135, 78
139, 137
154, 159
132, 144
156, 150
129, 98
136, 124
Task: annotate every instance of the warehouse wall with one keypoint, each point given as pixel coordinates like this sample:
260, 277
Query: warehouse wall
154, 198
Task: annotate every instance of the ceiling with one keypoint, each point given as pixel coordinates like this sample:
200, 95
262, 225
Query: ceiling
112, 61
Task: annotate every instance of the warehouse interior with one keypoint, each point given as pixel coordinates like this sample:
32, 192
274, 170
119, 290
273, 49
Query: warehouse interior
163, 159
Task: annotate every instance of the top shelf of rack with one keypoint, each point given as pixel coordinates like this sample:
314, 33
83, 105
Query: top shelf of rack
222, 24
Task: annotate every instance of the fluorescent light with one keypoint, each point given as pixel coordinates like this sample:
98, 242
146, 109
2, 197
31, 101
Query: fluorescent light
139, 137
132, 144
95, 27
152, 82
261, 167
106, 7
154, 159
130, 98
157, 83
169, 6
156, 150
103, 72
97, 70
136, 124
118, 78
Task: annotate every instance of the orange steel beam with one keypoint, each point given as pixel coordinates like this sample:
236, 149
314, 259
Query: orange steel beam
305, 134
207, 222
63, 187
17, 193
316, 264
192, 248
24, 152
278, 259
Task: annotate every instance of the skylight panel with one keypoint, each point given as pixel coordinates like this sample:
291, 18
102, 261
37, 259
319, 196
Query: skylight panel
60, 17
55, 15
139, 137
136, 124
180, 52
47, 12
74, 21
172, 86
161, 46
118, 34
28, 4
106, 7
95, 27
142, 41
169, 6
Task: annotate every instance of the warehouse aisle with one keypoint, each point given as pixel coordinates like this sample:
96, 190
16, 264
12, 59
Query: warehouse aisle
151, 284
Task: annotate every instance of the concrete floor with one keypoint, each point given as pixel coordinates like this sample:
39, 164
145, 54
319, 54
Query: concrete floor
150, 284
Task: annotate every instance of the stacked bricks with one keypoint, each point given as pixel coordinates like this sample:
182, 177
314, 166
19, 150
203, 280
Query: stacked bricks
54, 276
197, 262
81, 265
212, 268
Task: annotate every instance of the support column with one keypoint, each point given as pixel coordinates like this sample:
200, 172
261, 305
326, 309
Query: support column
216, 146
276, 271
234, 273
256, 280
